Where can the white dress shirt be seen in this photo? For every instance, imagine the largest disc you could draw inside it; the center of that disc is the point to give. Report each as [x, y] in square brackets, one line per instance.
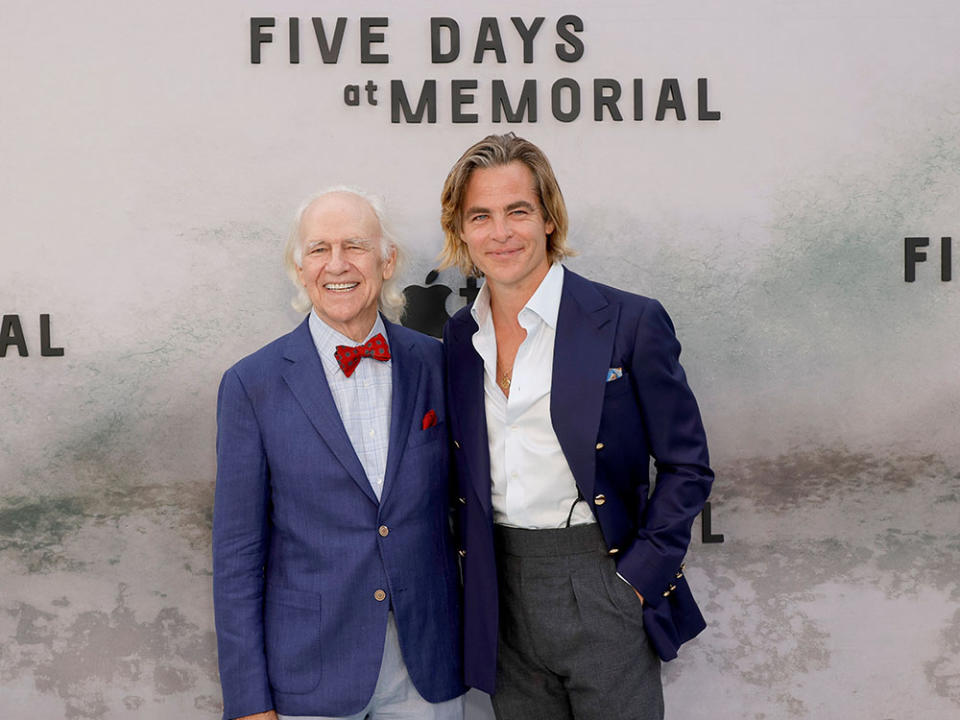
[363, 399]
[532, 486]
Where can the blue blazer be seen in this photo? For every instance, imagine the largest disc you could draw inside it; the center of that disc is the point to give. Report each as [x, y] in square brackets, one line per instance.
[301, 547]
[608, 432]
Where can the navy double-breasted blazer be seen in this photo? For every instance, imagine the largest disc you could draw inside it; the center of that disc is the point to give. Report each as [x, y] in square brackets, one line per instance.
[608, 432]
[307, 562]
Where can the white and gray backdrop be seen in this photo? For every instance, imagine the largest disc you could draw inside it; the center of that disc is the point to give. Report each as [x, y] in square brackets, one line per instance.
[147, 173]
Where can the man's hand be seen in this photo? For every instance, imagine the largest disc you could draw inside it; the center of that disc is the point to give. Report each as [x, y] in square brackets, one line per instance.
[639, 596]
[269, 715]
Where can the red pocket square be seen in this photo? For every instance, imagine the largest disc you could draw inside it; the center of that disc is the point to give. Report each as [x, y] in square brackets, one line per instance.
[429, 420]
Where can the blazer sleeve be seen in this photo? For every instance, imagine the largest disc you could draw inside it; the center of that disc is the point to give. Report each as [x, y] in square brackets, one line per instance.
[678, 444]
[240, 542]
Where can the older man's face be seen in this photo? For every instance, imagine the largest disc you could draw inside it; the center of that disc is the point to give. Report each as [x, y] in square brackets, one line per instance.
[342, 268]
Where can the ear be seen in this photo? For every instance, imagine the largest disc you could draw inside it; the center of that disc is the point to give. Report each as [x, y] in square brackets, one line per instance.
[390, 264]
[549, 227]
[300, 275]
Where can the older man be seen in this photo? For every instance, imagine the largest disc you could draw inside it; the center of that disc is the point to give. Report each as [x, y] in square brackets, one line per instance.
[560, 391]
[335, 581]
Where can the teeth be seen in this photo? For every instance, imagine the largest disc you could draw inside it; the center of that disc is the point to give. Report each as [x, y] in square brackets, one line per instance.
[340, 286]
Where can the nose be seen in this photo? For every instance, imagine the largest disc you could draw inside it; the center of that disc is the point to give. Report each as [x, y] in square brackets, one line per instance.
[501, 228]
[337, 263]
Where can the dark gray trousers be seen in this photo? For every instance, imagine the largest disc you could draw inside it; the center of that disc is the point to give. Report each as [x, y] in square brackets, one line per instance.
[572, 644]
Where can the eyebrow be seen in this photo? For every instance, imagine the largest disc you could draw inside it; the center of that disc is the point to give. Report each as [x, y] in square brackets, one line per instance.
[476, 211]
[357, 240]
[512, 206]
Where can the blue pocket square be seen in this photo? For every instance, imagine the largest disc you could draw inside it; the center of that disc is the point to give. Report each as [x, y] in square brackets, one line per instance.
[614, 374]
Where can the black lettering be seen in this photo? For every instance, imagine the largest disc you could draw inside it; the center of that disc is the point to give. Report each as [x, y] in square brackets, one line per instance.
[638, 98]
[351, 95]
[946, 261]
[294, 24]
[527, 102]
[426, 104]
[527, 34]
[564, 27]
[11, 333]
[329, 52]
[557, 100]
[258, 36]
[703, 112]
[706, 526]
[371, 88]
[368, 38]
[602, 100]
[489, 39]
[670, 99]
[437, 55]
[459, 98]
[46, 349]
[912, 254]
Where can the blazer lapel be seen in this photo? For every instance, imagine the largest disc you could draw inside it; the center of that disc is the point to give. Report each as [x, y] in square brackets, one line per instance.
[407, 376]
[308, 383]
[467, 395]
[586, 326]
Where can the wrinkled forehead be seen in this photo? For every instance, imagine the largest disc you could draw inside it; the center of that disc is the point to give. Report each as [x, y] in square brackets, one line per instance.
[339, 216]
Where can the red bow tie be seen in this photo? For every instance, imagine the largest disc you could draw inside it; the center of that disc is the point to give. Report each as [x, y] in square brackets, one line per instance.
[349, 357]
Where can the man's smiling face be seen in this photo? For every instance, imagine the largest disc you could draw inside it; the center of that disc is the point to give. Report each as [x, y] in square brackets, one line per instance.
[343, 265]
[504, 227]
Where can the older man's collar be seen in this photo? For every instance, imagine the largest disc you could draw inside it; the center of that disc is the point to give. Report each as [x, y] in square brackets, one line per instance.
[326, 338]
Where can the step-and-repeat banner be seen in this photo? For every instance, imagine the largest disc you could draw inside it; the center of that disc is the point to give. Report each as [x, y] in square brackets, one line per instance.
[783, 176]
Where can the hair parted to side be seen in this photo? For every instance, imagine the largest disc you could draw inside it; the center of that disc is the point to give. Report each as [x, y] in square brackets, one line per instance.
[392, 300]
[495, 151]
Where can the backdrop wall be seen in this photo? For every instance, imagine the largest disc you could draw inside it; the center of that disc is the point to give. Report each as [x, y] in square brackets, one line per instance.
[149, 170]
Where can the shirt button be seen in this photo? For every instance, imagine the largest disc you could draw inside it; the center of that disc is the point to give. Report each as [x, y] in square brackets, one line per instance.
[384, 531]
[380, 596]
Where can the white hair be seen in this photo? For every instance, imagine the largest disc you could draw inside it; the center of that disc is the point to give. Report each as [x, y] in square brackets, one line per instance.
[392, 300]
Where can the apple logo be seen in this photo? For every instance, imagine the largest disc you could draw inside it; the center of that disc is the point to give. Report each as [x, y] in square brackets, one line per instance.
[426, 309]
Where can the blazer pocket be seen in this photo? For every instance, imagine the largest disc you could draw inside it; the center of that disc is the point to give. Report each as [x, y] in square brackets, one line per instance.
[418, 436]
[617, 387]
[292, 638]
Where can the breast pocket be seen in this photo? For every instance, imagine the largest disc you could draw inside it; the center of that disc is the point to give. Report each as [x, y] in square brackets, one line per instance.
[292, 636]
[615, 388]
[421, 437]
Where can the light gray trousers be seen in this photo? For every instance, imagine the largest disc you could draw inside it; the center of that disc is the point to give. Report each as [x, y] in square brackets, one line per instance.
[395, 697]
